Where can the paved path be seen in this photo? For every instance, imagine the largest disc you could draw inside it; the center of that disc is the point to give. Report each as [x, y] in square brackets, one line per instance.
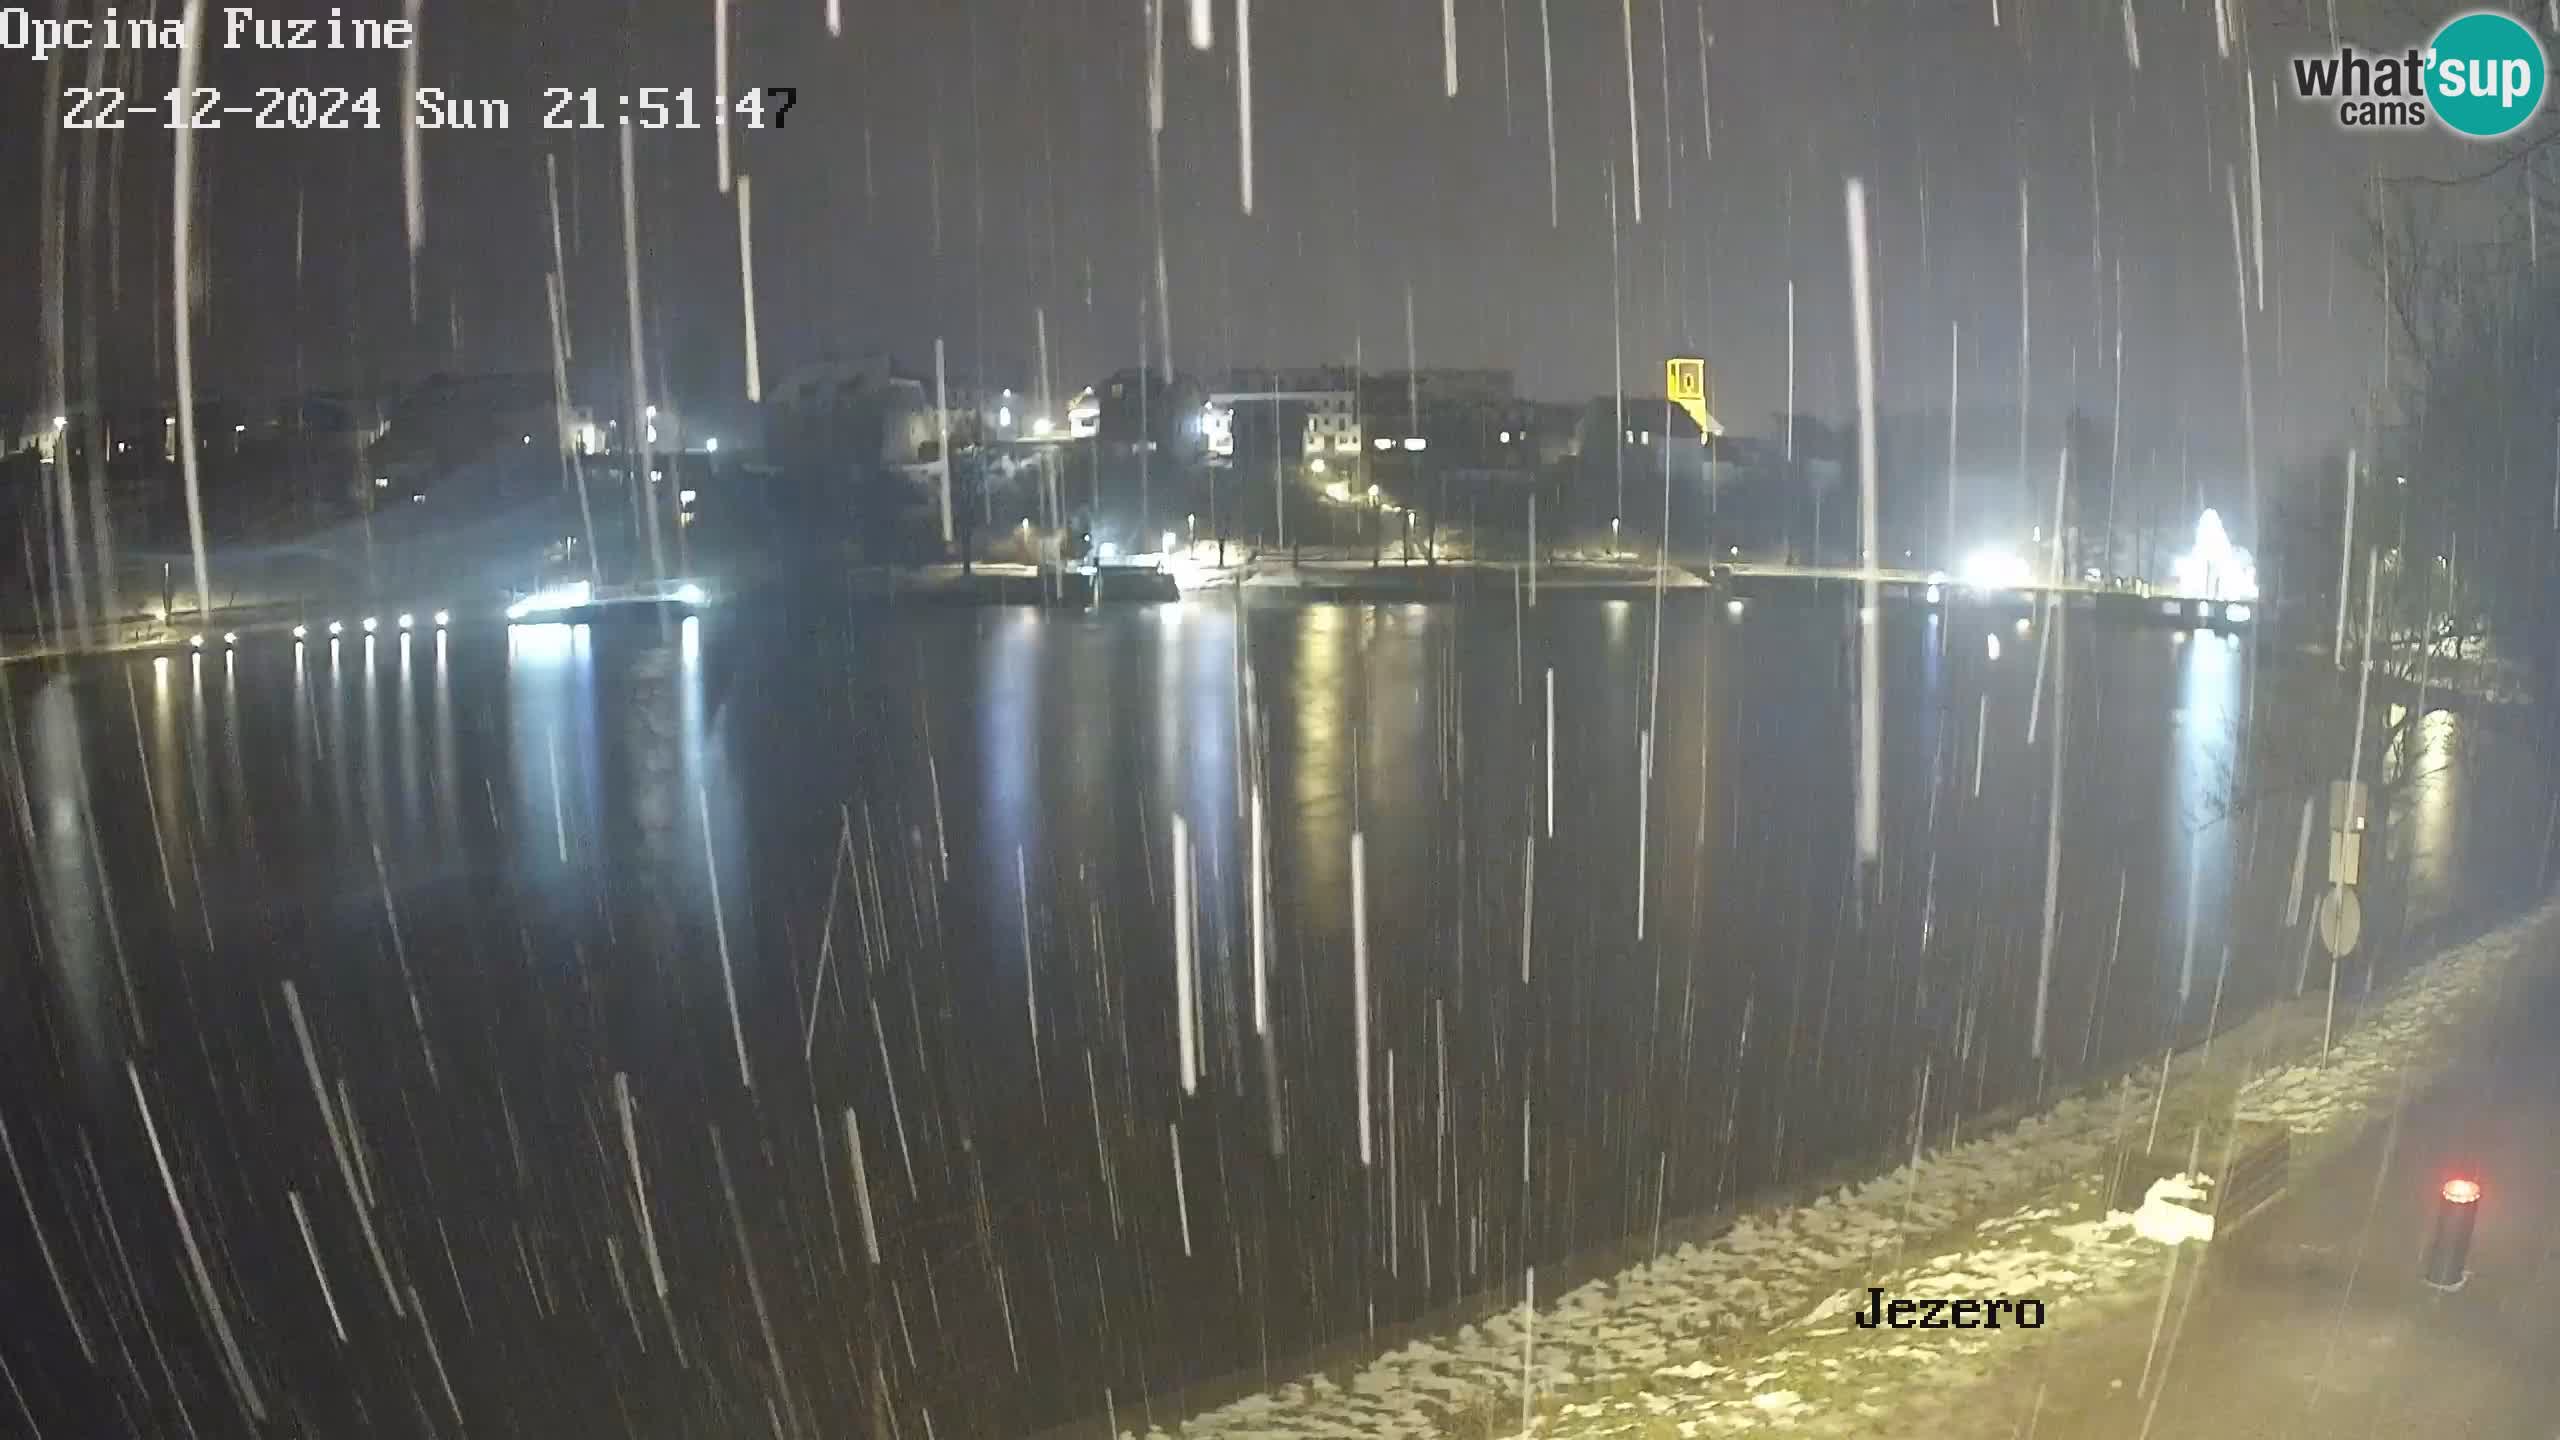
[2314, 1322]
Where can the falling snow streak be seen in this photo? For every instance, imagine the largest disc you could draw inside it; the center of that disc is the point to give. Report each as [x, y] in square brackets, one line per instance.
[1261, 918]
[1152, 20]
[1871, 621]
[1360, 981]
[1449, 48]
[1791, 371]
[2248, 383]
[1181, 1194]
[44, 1247]
[1635, 140]
[182, 309]
[1528, 904]
[1550, 751]
[861, 1187]
[720, 89]
[1030, 976]
[1547, 70]
[2257, 196]
[338, 1145]
[1244, 103]
[556, 294]
[246, 1388]
[2054, 614]
[1706, 113]
[942, 439]
[747, 281]
[639, 1183]
[1955, 356]
[1204, 32]
[311, 1247]
[1528, 1346]
[1185, 975]
[413, 178]
[637, 403]
[720, 928]
[755, 1287]
[2026, 374]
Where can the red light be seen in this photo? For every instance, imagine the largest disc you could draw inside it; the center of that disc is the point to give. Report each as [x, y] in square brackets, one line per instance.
[2462, 1192]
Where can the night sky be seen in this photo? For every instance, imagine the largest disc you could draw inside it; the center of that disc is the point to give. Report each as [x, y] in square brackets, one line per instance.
[963, 169]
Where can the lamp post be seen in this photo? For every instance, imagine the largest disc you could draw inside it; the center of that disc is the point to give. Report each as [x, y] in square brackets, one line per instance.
[2448, 1263]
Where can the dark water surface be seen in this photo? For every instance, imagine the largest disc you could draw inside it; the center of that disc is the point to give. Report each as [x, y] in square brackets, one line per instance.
[574, 917]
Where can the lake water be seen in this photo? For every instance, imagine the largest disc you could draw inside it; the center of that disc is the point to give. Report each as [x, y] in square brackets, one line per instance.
[656, 978]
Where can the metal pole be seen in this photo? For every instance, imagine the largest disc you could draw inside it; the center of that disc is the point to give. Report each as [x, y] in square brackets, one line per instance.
[2449, 1240]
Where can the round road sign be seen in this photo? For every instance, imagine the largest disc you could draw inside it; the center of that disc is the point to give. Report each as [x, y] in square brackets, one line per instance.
[2341, 920]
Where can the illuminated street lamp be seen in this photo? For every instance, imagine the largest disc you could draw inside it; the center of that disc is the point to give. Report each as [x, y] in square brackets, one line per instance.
[2449, 1242]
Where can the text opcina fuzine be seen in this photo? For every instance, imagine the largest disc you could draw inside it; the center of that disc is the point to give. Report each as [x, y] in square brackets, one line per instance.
[234, 27]
[1904, 1312]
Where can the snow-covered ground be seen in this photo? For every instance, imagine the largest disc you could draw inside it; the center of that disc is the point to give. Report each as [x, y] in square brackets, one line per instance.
[1755, 1332]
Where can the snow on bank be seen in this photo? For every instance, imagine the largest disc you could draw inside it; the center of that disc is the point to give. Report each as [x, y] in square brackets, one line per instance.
[2175, 1211]
[1657, 1349]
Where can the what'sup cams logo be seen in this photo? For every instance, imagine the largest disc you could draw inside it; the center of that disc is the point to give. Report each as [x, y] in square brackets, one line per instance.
[2481, 76]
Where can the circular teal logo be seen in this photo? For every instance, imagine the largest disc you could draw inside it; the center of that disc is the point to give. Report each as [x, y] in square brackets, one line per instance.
[2484, 74]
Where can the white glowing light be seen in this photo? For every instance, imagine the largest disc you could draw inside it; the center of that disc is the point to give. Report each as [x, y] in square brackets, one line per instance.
[688, 593]
[686, 497]
[1317, 465]
[1417, 443]
[443, 618]
[1991, 646]
[1004, 417]
[300, 631]
[1168, 542]
[230, 637]
[557, 597]
[712, 445]
[1993, 568]
[337, 627]
[2216, 569]
[1339, 490]
[371, 624]
[408, 621]
[196, 641]
[2238, 614]
[1043, 425]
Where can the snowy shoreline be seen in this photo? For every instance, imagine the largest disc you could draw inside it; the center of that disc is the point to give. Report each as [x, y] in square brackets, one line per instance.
[1752, 1330]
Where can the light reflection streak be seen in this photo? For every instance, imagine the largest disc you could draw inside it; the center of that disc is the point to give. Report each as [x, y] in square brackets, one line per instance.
[447, 784]
[2205, 731]
[411, 807]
